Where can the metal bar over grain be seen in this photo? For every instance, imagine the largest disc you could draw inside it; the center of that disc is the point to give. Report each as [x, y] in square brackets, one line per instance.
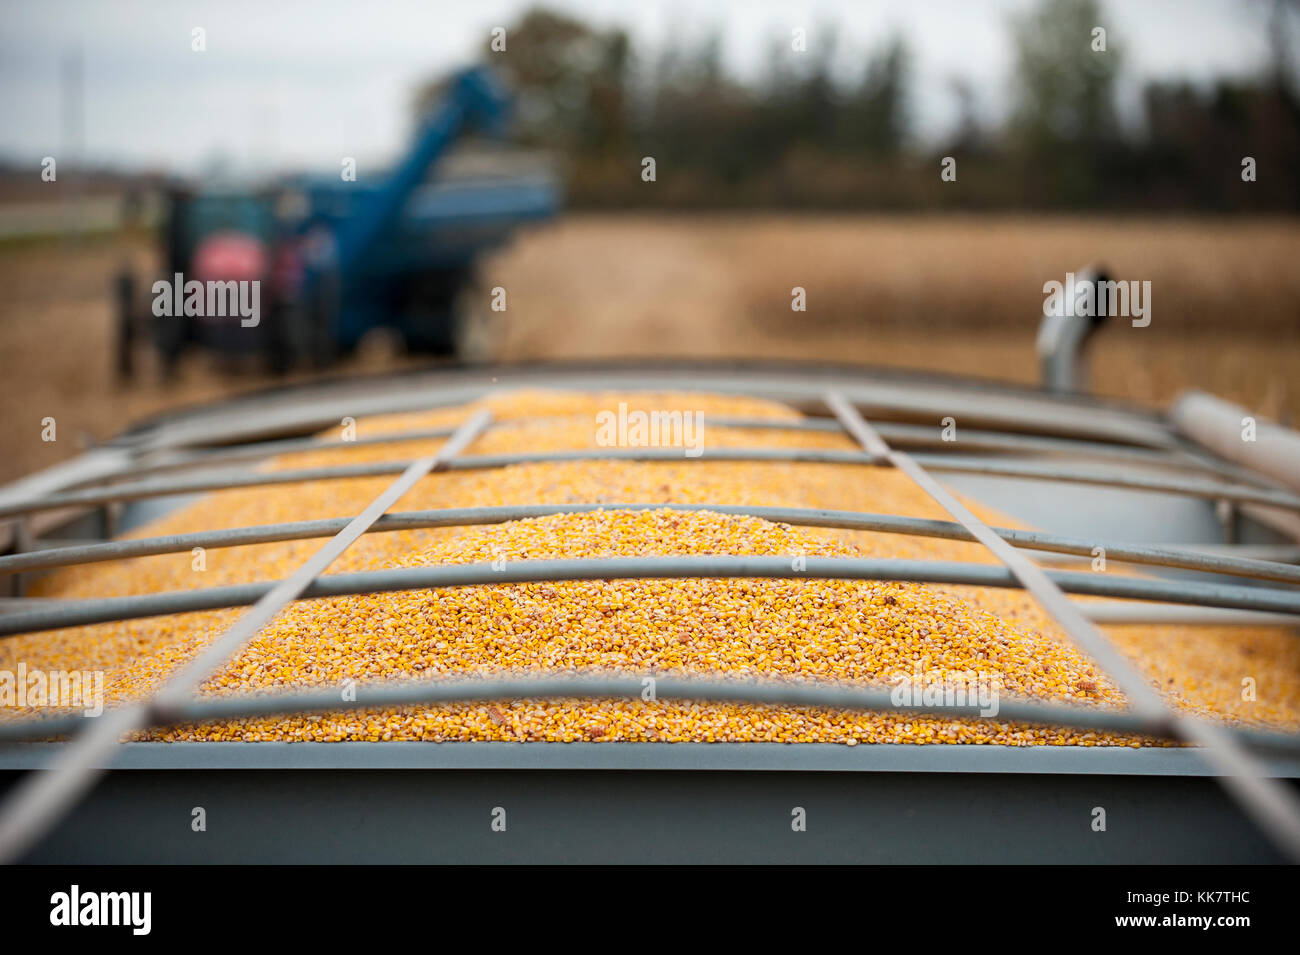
[1273, 806]
[39, 801]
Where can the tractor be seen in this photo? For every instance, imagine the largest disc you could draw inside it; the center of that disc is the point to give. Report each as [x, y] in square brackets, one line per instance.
[337, 256]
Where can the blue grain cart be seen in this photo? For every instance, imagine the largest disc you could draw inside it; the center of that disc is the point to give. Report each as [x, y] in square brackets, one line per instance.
[335, 258]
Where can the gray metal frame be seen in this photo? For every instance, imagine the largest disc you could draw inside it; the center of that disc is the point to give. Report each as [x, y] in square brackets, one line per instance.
[1182, 557]
[1175, 761]
[160, 713]
[414, 803]
[1031, 470]
[901, 435]
[57, 614]
[1272, 805]
[38, 801]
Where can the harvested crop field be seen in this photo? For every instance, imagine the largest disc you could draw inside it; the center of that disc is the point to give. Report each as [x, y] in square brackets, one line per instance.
[958, 294]
[860, 632]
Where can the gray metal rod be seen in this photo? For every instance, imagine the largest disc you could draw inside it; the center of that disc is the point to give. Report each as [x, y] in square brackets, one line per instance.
[1041, 471]
[1281, 557]
[186, 460]
[39, 801]
[1164, 556]
[1034, 579]
[903, 435]
[1217, 425]
[227, 480]
[1274, 553]
[1125, 612]
[394, 693]
[75, 613]
[216, 481]
[1272, 806]
[915, 437]
[203, 457]
[889, 394]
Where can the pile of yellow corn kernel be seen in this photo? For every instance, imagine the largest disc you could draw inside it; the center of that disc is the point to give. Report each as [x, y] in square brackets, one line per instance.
[861, 632]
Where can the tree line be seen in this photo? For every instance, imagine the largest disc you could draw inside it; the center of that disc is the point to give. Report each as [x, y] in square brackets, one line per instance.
[808, 136]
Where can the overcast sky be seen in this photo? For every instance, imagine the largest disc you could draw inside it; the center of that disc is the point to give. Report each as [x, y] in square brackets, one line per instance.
[285, 83]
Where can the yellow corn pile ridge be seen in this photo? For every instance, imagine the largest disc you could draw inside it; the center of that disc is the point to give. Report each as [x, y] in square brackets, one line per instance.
[865, 632]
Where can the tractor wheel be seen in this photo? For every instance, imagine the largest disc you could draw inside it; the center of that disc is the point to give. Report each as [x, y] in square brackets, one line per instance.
[170, 333]
[279, 340]
[126, 322]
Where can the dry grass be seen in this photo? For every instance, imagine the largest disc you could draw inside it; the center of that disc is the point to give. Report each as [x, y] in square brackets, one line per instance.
[959, 294]
[955, 294]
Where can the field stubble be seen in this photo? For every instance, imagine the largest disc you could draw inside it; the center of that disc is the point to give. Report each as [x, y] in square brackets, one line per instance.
[951, 294]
